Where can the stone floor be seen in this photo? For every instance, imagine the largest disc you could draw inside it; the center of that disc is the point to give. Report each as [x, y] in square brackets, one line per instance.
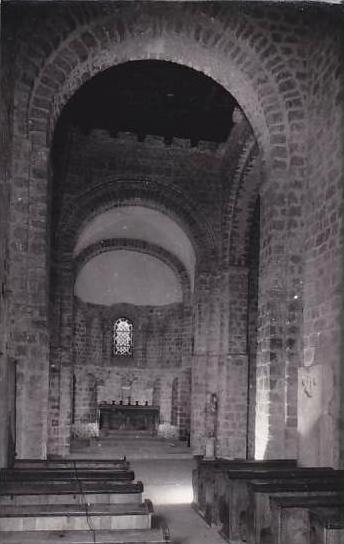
[133, 446]
[165, 467]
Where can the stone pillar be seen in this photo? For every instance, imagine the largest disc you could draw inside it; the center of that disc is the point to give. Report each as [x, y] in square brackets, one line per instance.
[97, 342]
[199, 363]
[184, 403]
[80, 335]
[107, 341]
[9, 187]
[270, 384]
[165, 400]
[186, 330]
[233, 365]
[61, 367]
[213, 353]
[85, 398]
[279, 315]
[232, 407]
[28, 285]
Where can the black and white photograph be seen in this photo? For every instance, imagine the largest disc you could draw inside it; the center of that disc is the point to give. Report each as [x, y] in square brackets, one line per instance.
[171, 272]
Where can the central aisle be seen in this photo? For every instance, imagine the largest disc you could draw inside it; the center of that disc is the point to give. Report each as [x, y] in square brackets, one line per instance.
[168, 483]
[165, 468]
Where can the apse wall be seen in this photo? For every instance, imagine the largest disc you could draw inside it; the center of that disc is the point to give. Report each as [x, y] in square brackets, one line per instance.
[160, 360]
[161, 335]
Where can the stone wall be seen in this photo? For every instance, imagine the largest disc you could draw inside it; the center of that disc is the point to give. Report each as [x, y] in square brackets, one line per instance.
[252, 323]
[220, 363]
[286, 74]
[158, 334]
[157, 372]
[321, 383]
[187, 177]
[7, 355]
[99, 384]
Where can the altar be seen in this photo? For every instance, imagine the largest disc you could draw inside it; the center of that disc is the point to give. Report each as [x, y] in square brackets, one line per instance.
[129, 417]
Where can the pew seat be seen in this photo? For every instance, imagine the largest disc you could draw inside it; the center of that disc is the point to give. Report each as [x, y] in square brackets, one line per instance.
[136, 536]
[45, 502]
[46, 474]
[76, 517]
[120, 463]
[16, 493]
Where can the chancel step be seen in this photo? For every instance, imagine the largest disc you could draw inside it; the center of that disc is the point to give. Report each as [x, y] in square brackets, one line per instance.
[76, 517]
[70, 493]
[22, 475]
[146, 536]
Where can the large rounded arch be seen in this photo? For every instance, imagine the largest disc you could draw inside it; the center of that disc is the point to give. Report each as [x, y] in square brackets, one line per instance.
[241, 202]
[240, 190]
[241, 65]
[234, 47]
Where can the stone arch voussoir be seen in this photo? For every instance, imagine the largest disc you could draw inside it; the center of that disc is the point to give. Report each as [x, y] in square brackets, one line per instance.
[230, 46]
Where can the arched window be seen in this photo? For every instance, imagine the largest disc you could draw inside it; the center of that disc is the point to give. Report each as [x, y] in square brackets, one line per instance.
[123, 337]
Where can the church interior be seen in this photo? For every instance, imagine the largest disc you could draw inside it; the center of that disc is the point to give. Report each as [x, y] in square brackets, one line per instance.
[172, 272]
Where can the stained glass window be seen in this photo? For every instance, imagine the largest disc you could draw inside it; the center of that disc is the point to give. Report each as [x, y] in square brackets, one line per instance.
[123, 337]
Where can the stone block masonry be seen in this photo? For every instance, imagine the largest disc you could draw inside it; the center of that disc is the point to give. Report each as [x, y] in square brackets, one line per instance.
[284, 67]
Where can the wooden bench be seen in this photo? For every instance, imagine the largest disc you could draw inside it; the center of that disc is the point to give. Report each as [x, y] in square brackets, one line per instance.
[21, 493]
[45, 474]
[290, 516]
[112, 464]
[76, 504]
[257, 520]
[134, 536]
[203, 477]
[327, 525]
[76, 517]
[232, 494]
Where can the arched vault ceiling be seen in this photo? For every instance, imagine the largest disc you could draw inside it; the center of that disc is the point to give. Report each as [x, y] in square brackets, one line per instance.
[127, 276]
[140, 223]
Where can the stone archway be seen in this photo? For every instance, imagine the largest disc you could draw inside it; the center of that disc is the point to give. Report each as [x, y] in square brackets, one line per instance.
[231, 49]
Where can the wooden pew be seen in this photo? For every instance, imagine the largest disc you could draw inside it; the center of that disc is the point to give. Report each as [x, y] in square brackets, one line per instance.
[327, 525]
[111, 464]
[43, 503]
[45, 474]
[232, 494]
[75, 517]
[258, 516]
[290, 516]
[203, 478]
[134, 536]
[21, 493]
[157, 534]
